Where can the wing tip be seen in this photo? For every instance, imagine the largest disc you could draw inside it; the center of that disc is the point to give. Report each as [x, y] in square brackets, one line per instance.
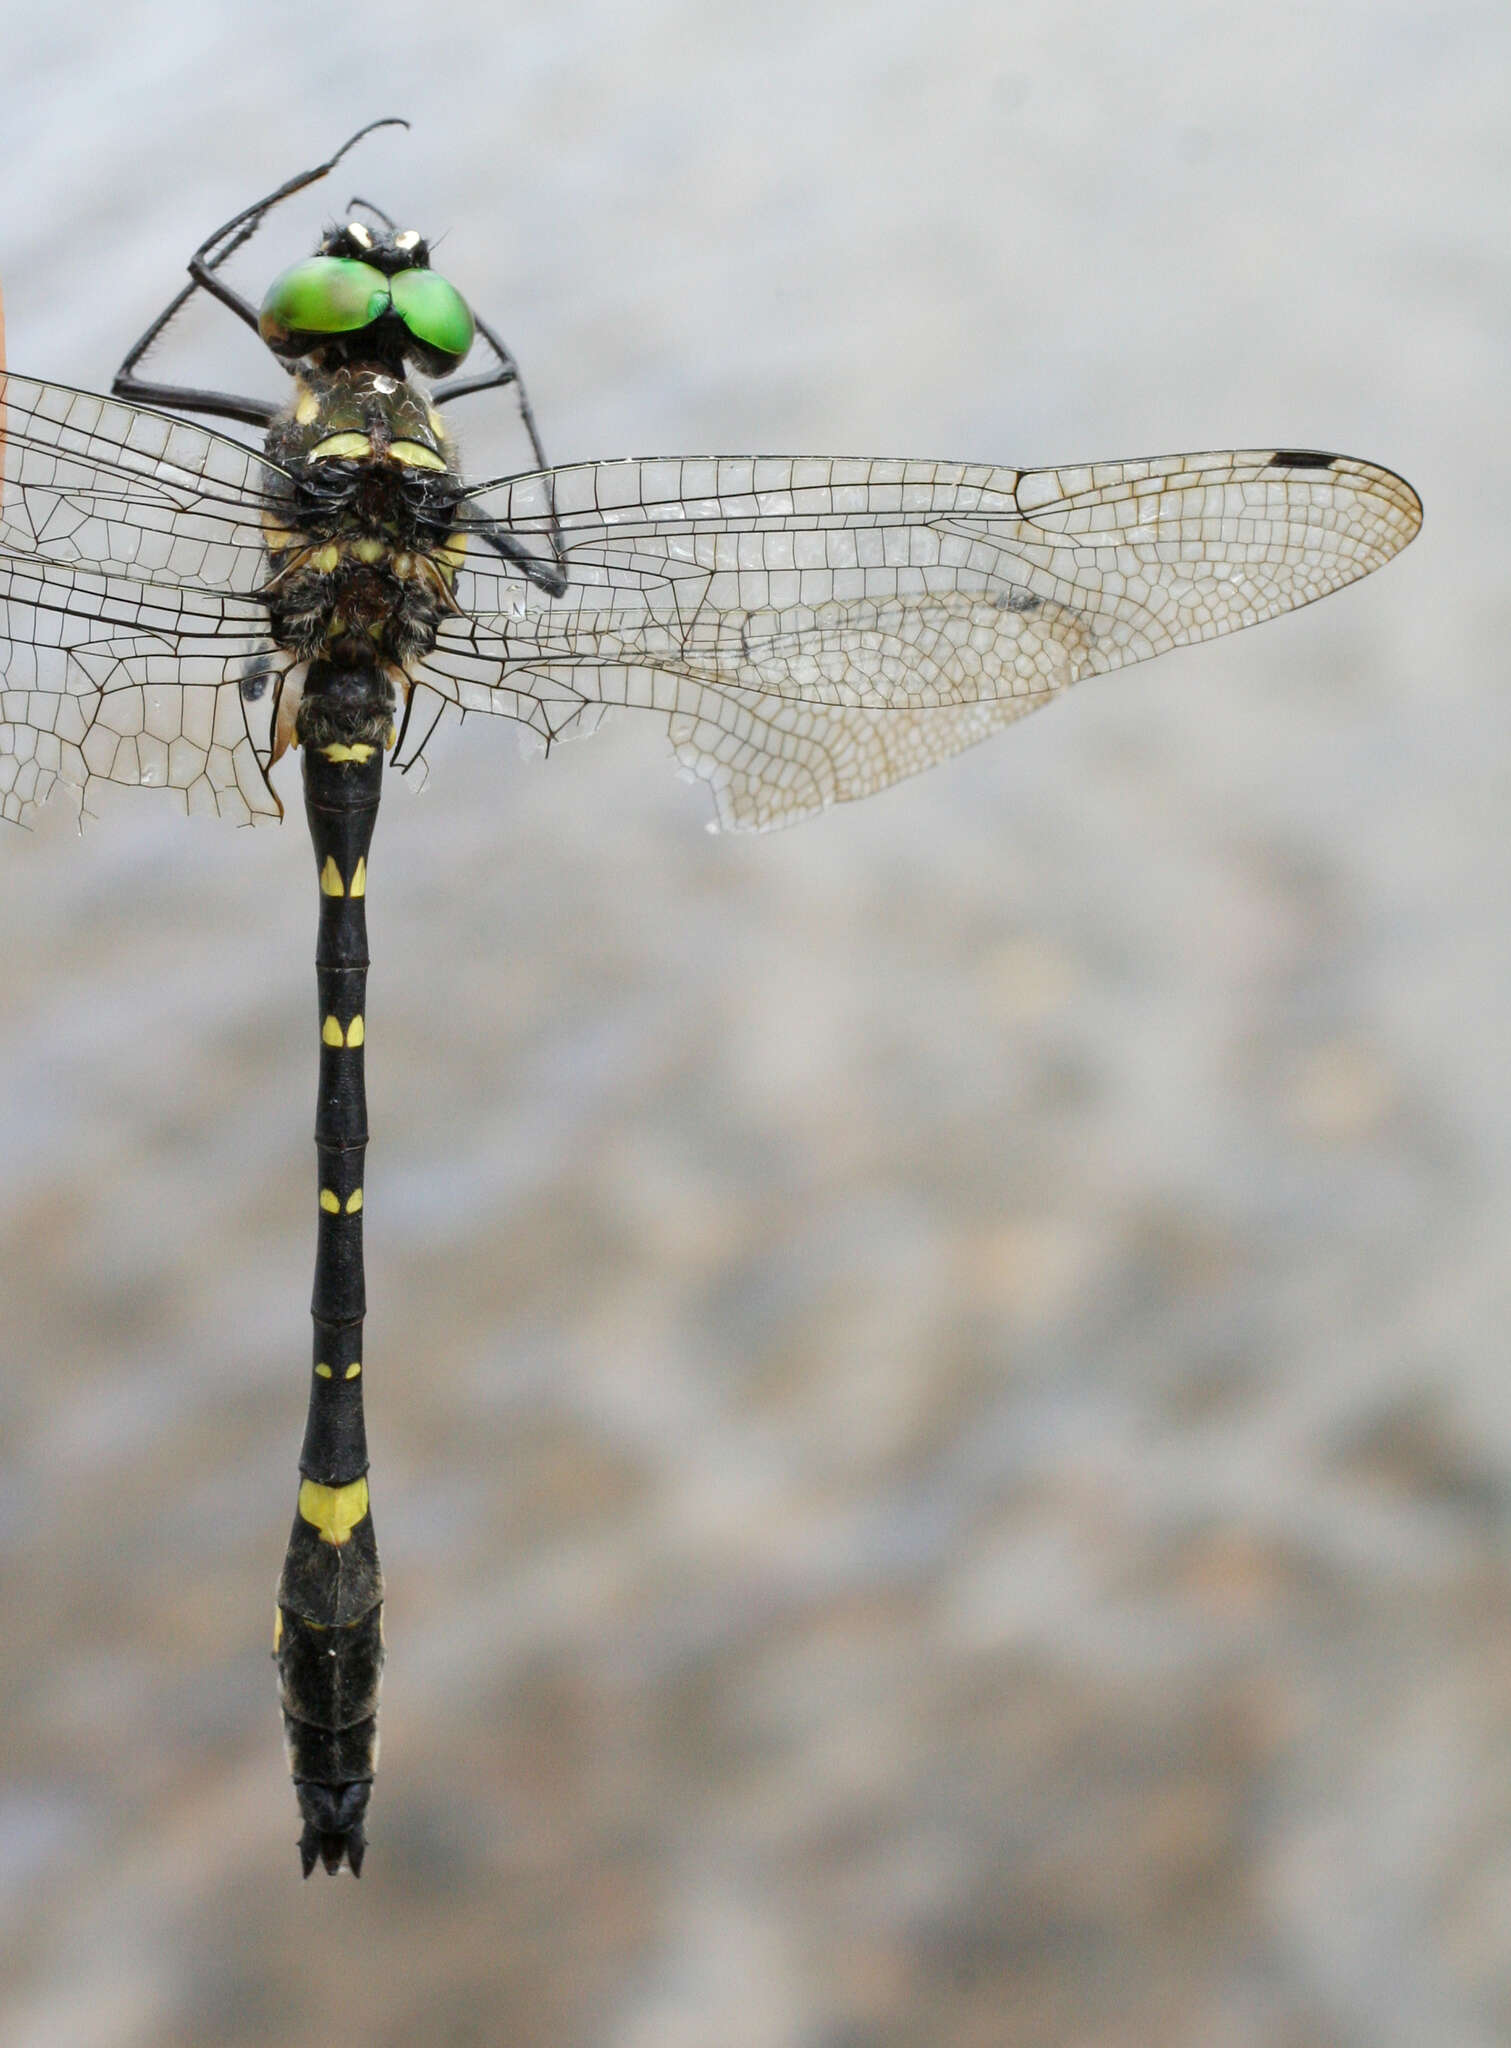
[1407, 496]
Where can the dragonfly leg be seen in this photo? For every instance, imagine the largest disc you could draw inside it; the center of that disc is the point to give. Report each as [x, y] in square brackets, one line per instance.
[204, 266]
[253, 412]
[507, 371]
[384, 219]
[549, 576]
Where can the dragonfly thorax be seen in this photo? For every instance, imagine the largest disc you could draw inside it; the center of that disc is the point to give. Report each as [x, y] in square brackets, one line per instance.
[362, 552]
[334, 409]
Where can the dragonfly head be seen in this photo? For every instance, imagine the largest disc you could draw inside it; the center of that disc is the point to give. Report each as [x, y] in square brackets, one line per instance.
[368, 296]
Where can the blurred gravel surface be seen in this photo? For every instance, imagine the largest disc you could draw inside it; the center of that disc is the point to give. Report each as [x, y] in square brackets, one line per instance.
[942, 1449]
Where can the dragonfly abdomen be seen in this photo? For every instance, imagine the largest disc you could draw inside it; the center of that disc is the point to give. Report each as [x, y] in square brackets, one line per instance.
[329, 1639]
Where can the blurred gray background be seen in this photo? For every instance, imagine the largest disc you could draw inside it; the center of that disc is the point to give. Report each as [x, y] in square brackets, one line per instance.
[937, 1381]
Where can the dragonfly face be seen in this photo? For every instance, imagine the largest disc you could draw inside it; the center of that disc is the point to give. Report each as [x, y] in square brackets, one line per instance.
[368, 298]
[179, 609]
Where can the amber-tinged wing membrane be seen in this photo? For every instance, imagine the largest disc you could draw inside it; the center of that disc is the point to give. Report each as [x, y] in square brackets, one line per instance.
[817, 629]
[129, 546]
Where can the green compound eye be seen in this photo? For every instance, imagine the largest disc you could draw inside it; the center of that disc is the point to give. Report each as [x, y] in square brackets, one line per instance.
[436, 315]
[322, 295]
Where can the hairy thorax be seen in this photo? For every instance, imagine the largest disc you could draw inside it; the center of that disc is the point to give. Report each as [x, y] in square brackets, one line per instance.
[361, 531]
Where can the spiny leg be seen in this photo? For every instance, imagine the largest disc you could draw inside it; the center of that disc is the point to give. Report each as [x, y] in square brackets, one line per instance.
[328, 1639]
[206, 261]
[507, 371]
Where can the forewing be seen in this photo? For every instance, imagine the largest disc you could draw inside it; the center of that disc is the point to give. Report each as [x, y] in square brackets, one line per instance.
[129, 546]
[816, 629]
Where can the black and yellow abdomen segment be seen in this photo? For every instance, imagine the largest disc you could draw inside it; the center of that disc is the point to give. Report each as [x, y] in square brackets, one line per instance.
[329, 1668]
[329, 1637]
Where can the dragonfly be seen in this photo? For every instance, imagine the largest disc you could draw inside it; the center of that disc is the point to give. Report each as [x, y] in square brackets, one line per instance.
[180, 609]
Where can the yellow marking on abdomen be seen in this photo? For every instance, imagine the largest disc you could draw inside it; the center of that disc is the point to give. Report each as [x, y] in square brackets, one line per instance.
[354, 1201]
[330, 1201]
[334, 1510]
[353, 1372]
[322, 1372]
[337, 752]
[331, 883]
[277, 1628]
[356, 1031]
[359, 876]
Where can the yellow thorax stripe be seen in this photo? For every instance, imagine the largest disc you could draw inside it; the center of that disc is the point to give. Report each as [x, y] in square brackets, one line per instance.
[415, 455]
[341, 447]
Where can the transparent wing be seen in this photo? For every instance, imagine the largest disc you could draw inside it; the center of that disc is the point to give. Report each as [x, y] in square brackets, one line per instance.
[130, 544]
[817, 629]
